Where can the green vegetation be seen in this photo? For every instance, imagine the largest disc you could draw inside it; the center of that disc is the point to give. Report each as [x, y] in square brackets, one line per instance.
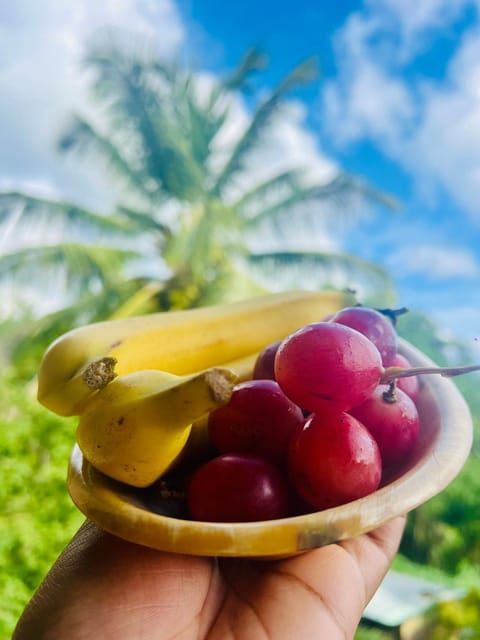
[38, 517]
[445, 532]
[457, 619]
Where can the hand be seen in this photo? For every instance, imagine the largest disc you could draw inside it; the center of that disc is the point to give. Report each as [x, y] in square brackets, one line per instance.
[103, 587]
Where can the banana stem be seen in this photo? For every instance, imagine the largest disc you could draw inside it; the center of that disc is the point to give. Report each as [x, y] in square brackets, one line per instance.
[99, 373]
[394, 373]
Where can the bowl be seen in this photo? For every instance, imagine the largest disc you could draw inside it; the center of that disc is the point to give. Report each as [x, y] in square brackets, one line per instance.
[442, 448]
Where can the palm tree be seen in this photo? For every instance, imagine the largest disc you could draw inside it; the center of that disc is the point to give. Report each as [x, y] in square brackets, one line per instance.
[181, 209]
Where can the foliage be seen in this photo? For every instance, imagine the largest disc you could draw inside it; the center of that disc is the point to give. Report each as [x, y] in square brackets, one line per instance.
[365, 632]
[38, 517]
[457, 619]
[445, 531]
[450, 618]
[423, 333]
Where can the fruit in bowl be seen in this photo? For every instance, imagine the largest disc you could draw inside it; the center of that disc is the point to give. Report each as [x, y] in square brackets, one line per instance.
[227, 485]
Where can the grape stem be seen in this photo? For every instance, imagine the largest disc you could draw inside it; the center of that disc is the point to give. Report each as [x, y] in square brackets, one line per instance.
[393, 314]
[394, 373]
[390, 395]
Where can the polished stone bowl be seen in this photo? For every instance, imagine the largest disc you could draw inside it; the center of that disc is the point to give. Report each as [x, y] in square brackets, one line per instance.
[443, 446]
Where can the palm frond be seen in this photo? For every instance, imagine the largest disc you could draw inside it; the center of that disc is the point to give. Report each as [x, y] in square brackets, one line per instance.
[345, 183]
[252, 61]
[71, 216]
[262, 116]
[341, 189]
[82, 135]
[259, 195]
[142, 301]
[193, 247]
[147, 110]
[143, 221]
[317, 270]
[27, 340]
[203, 123]
[83, 263]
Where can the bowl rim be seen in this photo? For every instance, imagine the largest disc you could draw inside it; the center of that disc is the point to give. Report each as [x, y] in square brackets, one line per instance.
[114, 507]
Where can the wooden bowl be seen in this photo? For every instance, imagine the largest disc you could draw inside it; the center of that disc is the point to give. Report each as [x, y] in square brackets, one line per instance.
[442, 449]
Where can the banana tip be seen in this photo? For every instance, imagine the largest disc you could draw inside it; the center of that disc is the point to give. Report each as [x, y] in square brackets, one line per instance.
[221, 382]
[99, 373]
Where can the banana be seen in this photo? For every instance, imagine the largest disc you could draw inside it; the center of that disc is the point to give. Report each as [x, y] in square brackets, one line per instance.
[134, 429]
[86, 359]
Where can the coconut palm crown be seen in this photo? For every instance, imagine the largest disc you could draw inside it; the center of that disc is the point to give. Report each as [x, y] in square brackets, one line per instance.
[188, 229]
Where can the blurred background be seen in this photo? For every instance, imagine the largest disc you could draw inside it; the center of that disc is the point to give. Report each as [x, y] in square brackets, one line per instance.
[161, 154]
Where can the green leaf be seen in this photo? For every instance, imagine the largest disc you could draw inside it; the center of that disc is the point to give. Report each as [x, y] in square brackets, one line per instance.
[340, 190]
[318, 270]
[32, 207]
[83, 136]
[260, 194]
[253, 61]
[260, 119]
[84, 264]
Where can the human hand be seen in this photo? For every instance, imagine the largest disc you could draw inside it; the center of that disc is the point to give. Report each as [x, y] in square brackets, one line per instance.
[104, 587]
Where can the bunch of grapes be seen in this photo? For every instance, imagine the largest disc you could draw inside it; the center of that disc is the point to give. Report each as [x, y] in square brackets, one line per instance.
[321, 424]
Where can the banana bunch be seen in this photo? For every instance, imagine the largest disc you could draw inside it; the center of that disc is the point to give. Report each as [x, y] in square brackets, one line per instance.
[138, 384]
[135, 428]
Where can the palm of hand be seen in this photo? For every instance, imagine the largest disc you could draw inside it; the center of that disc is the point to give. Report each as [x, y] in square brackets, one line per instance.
[103, 587]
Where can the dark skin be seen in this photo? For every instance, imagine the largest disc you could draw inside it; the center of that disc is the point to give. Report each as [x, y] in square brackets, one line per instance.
[104, 587]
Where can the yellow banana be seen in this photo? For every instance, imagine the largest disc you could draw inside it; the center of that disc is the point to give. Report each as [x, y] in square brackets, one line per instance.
[84, 360]
[134, 429]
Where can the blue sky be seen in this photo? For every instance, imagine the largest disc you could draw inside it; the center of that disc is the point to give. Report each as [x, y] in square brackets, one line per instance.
[398, 103]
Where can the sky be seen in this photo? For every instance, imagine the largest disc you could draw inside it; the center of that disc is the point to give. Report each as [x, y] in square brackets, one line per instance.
[397, 104]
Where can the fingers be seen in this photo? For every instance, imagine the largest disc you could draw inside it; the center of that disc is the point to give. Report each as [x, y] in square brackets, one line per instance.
[345, 576]
[374, 553]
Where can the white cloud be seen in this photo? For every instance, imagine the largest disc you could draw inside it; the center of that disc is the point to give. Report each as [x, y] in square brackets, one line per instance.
[416, 21]
[370, 103]
[445, 145]
[41, 45]
[428, 126]
[435, 262]
[367, 98]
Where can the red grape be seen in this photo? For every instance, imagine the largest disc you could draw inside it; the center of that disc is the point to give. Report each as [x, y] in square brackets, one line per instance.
[409, 385]
[393, 424]
[375, 326]
[264, 364]
[333, 460]
[237, 488]
[327, 366]
[258, 419]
